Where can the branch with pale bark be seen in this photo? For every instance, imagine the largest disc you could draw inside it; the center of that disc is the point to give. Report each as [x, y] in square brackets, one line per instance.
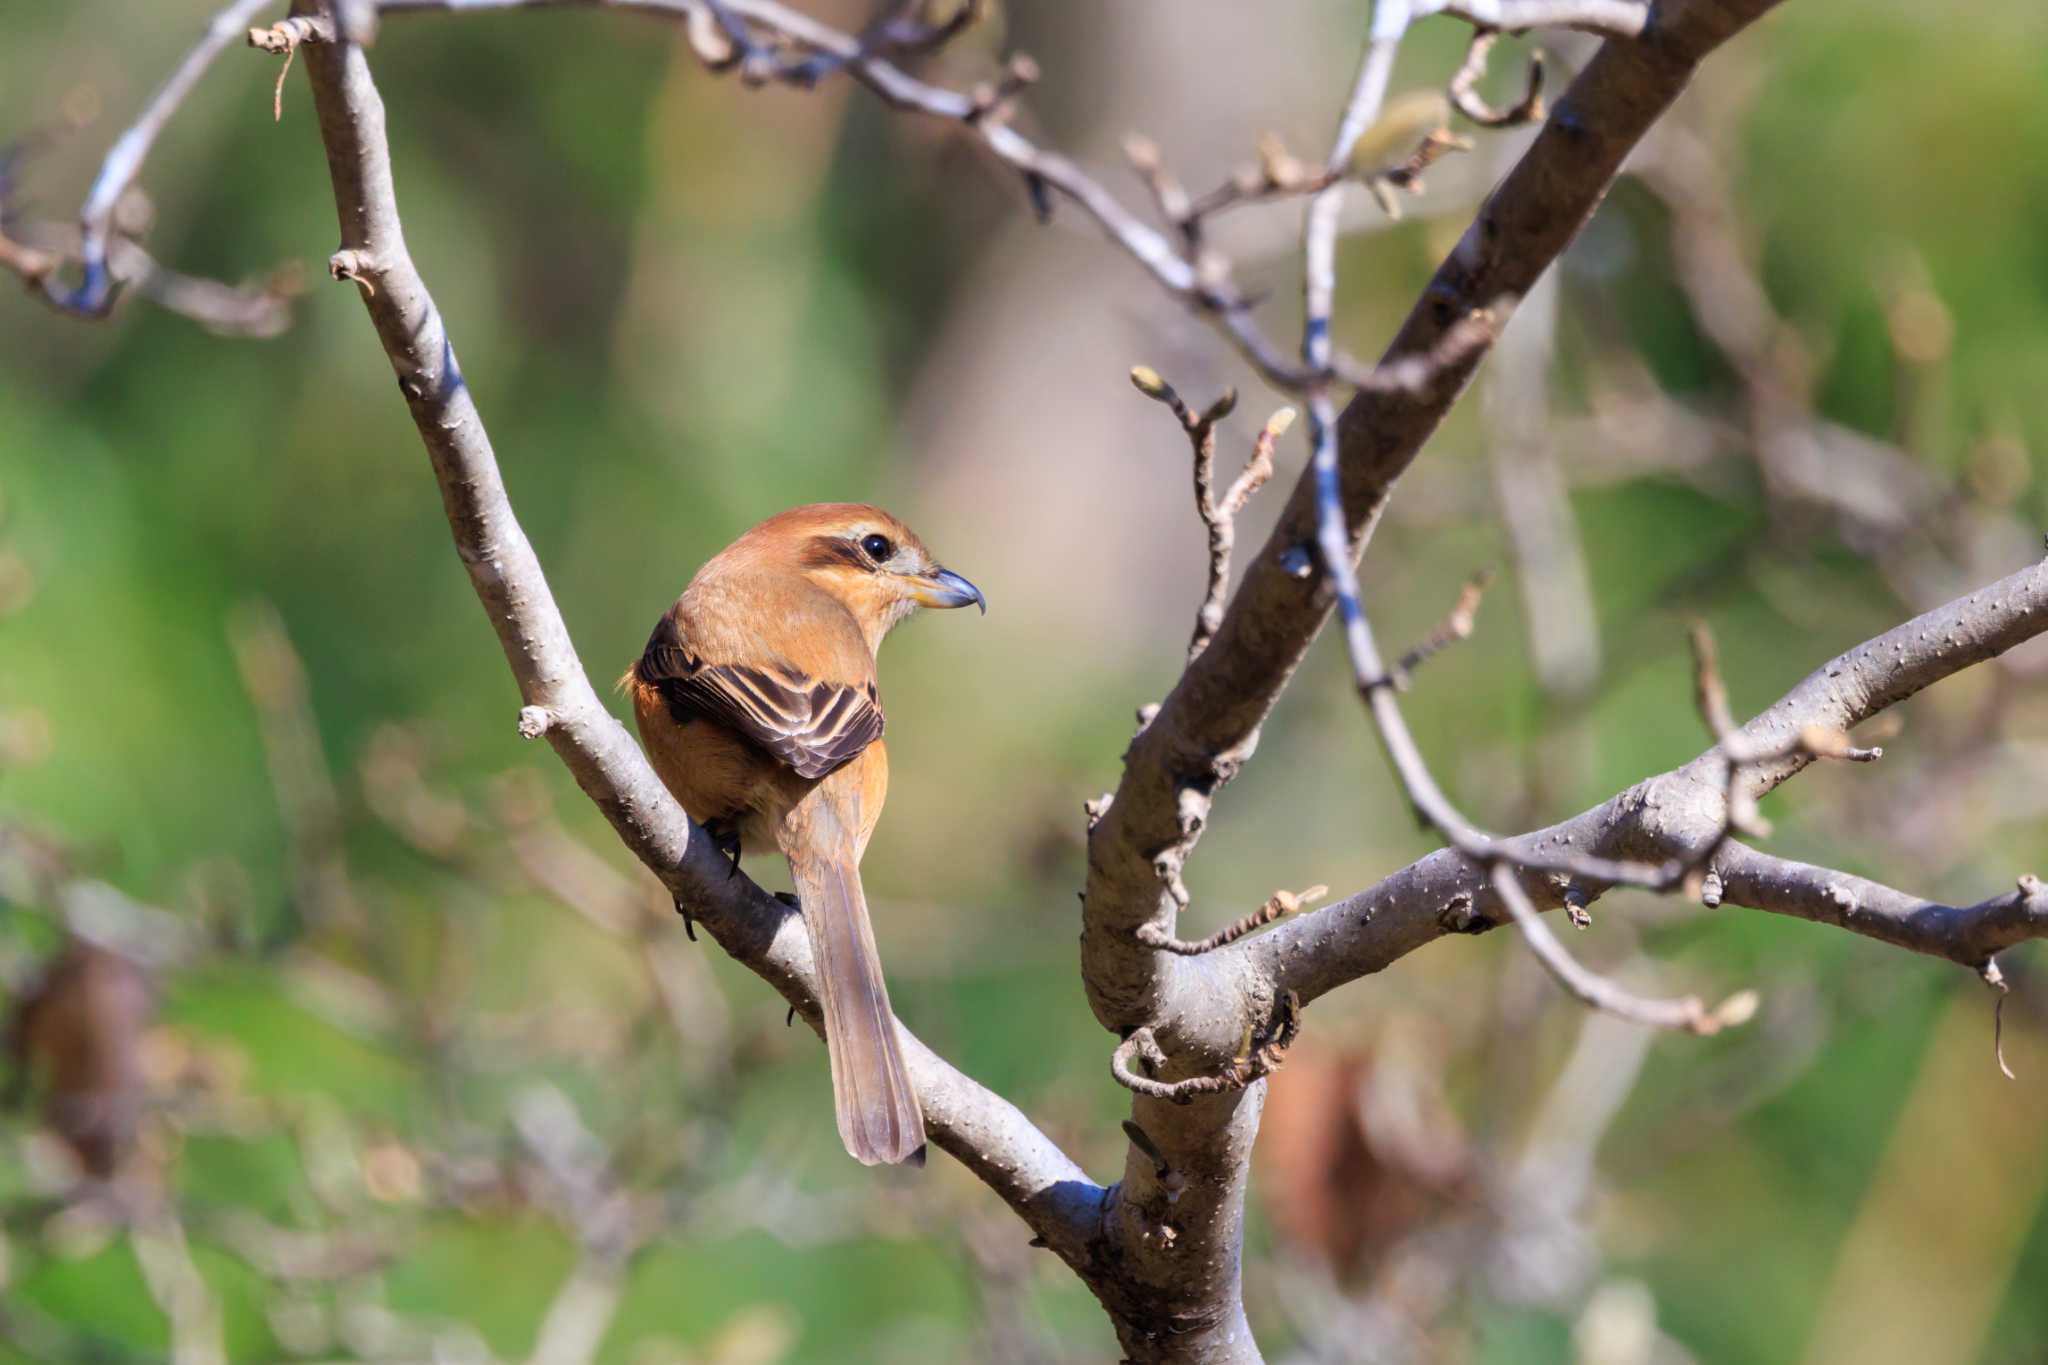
[989, 1135]
[1202, 1021]
[107, 258]
[1682, 814]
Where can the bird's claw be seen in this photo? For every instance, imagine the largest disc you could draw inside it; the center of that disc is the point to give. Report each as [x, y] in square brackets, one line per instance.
[726, 839]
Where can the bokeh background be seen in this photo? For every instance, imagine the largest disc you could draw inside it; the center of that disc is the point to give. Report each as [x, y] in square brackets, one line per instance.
[392, 1054]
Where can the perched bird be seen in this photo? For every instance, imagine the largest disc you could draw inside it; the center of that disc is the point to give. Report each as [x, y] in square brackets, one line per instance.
[757, 702]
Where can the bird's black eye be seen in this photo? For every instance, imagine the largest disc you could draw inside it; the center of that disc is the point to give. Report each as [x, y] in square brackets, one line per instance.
[877, 548]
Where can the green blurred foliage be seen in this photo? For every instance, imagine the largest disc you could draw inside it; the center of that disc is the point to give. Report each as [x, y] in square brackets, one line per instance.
[683, 306]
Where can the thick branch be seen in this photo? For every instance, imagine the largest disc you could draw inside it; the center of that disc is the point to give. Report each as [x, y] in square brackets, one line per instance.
[1967, 934]
[1209, 724]
[1197, 1012]
[1892, 667]
[1682, 814]
[985, 1132]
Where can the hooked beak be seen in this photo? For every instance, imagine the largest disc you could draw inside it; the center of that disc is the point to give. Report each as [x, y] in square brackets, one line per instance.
[944, 588]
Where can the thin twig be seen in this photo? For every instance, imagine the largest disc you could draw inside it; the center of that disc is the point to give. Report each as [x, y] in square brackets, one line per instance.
[95, 292]
[1688, 1014]
[1378, 688]
[1465, 95]
[1219, 515]
[997, 1144]
[1455, 626]
[581, 1312]
[39, 252]
[1319, 232]
[1279, 904]
[1258, 1058]
[283, 38]
[1995, 979]
[1204, 283]
[1533, 502]
[1812, 741]
[1608, 18]
[1333, 542]
[1278, 175]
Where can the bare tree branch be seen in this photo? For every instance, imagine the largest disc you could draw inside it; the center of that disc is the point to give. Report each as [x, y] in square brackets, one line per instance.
[1687, 1014]
[1738, 753]
[1609, 18]
[1457, 625]
[1201, 1021]
[988, 1134]
[1464, 86]
[1278, 904]
[1063, 1206]
[39, 252]
[1203, 284]
[95, 292]
[1260, 1056]
[255, 311]
[1219, 515]
[1681, 815]
[1969, 935]
[1208, 725]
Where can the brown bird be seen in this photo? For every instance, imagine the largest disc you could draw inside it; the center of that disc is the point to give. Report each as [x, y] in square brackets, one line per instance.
[757, 702]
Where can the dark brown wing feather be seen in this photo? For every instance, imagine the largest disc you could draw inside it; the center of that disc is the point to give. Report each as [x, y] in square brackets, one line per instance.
[814, 727]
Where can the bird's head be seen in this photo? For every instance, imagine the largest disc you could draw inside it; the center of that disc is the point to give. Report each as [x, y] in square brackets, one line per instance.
[869, 561]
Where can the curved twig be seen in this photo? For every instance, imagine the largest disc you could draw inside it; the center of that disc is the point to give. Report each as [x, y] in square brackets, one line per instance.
[985, 1132]
[1258, 1058]
[1279, 904]
[94, 294]
[1465, 95]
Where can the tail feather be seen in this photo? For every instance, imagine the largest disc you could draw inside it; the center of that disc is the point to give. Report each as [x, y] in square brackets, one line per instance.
[879, 1118]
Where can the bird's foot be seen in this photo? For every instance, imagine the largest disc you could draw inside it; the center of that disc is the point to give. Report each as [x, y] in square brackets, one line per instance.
[726, 839]
[789, 899]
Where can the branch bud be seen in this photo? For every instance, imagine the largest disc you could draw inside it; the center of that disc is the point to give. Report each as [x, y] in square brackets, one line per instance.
[1737, 1010]
[1147, 381]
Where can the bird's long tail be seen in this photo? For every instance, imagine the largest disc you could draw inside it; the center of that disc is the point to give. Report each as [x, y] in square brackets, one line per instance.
[879, 1118]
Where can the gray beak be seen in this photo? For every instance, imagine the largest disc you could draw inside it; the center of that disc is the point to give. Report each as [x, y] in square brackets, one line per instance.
[944, 588]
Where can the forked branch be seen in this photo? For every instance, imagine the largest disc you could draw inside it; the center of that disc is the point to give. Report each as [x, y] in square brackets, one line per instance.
[1203, 1020]
[985, 1132]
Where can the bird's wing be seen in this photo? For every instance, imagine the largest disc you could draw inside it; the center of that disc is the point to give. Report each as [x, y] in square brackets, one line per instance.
[813, 726]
